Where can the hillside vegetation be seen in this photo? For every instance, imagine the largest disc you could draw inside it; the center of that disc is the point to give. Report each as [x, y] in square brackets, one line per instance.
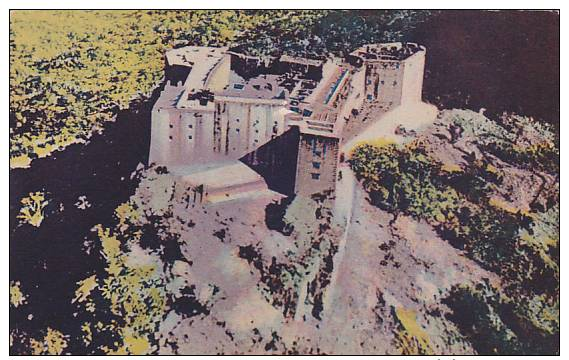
[492, 190]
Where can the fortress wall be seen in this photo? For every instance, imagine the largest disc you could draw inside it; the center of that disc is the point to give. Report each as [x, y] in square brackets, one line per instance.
[258, 127]
[358, 89]
[236, 118]
[384, 83]
[204, 136]
[316, 165]
[159, 146]
[175, 138]
[254, 130]
[219, 128]
[186, 129]
[181, 137]
[245, 126]
[413, 78]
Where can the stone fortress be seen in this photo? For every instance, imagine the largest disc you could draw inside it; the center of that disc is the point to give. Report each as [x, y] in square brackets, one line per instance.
[230, 124]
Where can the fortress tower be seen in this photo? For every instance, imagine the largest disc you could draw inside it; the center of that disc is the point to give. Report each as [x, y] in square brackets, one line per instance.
[393, 72]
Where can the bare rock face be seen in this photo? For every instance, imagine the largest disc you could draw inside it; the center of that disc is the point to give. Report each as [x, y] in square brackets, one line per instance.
[461, 138]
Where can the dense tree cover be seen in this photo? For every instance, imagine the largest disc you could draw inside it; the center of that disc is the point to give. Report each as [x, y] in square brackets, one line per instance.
[493, 325]
[71, 70]
[521, 247]
[118, 305]
[315, 34]
[520, 140]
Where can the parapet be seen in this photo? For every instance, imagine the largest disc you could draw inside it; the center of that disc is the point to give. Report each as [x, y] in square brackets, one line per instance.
[396, 51]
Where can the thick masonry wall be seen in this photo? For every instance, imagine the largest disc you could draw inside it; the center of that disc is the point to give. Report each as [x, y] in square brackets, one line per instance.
[384, 83]
[231, 130]
[316, 165]
[242, 127]
[413, 78]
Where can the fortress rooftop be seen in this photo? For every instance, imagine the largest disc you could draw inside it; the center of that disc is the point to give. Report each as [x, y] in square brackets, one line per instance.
[261, 87]
[170, 96]
[300, 61]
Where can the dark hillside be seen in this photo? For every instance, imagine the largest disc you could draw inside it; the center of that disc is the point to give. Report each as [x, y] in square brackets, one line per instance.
[501, 61]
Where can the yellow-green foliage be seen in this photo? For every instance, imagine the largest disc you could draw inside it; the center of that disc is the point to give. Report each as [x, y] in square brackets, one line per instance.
[134, 292]
[544, 235]
[522, 247]
[83, 292]
[17, 297]
[32, 208]
[501, 204]
[53, 343]
[516, 139]
[400, 178]
[543, 239]
[451, 168]
[411, 339]
[72, 70]
[127, 214]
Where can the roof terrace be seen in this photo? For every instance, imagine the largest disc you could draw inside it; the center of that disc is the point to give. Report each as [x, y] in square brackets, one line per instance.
[265, 87]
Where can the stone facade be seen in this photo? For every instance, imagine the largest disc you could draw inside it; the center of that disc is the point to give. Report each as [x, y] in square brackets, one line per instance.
[317, 164]
[283, 117]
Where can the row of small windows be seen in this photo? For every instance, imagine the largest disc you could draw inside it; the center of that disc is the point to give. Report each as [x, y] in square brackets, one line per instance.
[385, 65]
[190, 137]
[369, 82]
[190, 126]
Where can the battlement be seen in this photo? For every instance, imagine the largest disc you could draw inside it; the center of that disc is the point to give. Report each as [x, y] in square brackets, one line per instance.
[396, 51]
